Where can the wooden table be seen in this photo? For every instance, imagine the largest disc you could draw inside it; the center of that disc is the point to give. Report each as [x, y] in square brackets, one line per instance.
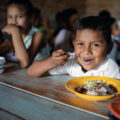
[45, 98]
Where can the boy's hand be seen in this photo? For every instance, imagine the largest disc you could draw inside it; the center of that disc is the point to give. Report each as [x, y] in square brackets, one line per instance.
[59, 57]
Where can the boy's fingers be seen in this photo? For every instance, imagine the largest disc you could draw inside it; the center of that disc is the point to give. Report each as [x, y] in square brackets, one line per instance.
[61, 62]
[63, 57]
[58, 52]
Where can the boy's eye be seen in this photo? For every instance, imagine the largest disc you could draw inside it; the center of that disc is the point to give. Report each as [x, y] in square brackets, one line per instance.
[80, 44]
[95, 45]
[19, 16]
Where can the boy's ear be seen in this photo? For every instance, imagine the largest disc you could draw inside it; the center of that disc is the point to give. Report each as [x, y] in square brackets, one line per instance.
[110, 47]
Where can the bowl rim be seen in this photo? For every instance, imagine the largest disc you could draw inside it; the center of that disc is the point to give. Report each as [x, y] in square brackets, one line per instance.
[95, 98]
[116, 114]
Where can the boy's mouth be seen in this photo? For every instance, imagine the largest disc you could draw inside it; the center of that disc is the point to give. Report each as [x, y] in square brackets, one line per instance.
[87, 60]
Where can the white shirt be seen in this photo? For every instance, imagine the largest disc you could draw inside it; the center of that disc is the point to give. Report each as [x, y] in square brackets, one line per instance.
[108, 68]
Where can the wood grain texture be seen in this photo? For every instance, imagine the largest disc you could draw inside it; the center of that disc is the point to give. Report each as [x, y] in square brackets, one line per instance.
[51, 87]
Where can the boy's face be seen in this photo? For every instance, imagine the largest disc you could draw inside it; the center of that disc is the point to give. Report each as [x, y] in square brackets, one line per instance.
[90, 48]
[16, 15]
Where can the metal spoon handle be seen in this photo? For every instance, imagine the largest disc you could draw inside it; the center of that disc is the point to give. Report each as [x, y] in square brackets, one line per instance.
[109, 90]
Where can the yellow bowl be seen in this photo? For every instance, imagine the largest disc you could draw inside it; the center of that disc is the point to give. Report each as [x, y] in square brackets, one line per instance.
[76, 82]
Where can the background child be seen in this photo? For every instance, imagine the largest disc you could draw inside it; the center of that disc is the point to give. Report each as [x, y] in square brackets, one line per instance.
[16, 43]
[92, 43]
[114, 34]
[42, 23]
[19, 13]
[64, 38]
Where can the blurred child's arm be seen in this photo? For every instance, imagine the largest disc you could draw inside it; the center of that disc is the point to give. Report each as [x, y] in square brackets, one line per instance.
[40, 67]
[18, 44]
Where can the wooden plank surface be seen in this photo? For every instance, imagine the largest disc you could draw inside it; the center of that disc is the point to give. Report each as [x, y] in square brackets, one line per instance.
[31, 107]
[5, 115]
[51, 88]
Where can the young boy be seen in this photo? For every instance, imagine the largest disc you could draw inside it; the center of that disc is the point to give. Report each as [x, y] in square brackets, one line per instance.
[92, 43]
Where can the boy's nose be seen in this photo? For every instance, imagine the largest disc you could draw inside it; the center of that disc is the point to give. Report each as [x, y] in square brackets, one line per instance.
[87, 50]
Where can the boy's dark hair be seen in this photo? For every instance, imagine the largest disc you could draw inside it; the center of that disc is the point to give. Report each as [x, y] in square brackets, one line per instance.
[25, 3]
[94, 23]
[107, 17]
[110, 21]
[104, 13]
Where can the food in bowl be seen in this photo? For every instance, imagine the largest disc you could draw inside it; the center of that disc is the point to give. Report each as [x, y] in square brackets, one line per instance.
[94, 87]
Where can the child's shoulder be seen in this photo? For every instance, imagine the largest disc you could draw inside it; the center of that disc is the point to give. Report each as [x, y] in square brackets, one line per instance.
[113, 69]
[107, 65]
[34, 30]
[112, 63]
